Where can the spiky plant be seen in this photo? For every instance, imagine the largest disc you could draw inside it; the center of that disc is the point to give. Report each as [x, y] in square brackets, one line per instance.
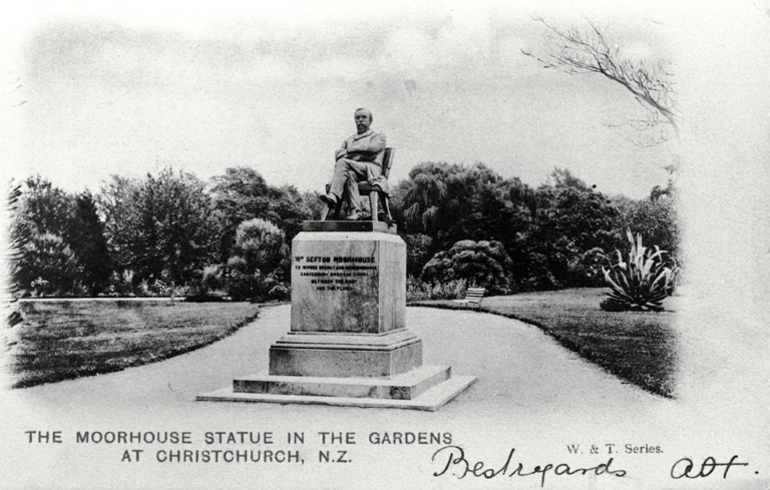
[641, 282]
[13, 238]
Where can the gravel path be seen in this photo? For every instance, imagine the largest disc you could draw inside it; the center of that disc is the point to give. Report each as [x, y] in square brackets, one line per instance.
[529, 389]
[517, 365]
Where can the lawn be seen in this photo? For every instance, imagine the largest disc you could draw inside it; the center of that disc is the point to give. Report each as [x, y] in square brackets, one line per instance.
[638, 347]
[61, 340]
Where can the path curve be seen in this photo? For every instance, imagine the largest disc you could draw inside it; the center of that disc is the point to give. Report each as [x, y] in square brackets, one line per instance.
[531, 394]
[517, 366]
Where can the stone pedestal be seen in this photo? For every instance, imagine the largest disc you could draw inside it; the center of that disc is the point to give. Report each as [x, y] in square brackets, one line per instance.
[348, 343]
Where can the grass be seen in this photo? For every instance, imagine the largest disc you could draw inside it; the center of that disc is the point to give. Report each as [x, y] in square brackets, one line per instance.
[61, 340]
[639, 347]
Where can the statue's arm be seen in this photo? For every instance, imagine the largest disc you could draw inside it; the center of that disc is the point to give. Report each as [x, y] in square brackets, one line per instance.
[342, 151]
[372, 145]
[378, 143]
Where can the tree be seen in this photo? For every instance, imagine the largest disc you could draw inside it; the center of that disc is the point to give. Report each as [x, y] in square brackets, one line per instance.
[440, 204]
[523, 196]
[178, 212]
[654, 219]
[561, 246]
[417, 252]
[586, 49]
[85, 236]
[48, 267]
[450, 203]
[242, 194]
[161, 229]
[118, 202]
[239, 195]
[259, 262]
[47, 264]
[423, 197]
[44, 208]
[288, 208]
[578, 213]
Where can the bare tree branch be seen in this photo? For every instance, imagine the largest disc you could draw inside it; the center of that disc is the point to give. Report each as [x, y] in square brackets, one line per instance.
[577, 50]
[763, 6]
[646, 131]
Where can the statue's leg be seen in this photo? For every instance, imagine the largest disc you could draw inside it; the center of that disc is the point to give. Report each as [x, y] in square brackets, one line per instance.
[356, 172]
[351, 191]
[339, 179]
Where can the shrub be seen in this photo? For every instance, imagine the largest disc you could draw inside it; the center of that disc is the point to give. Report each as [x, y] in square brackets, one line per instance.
[417, 252]
[642, 282]
[159, 288]
[47, 267]
[259, 262]
[121, 284]
[207, 298]
[610, 304]
[585, 269]
[212, 278]
[484, 263]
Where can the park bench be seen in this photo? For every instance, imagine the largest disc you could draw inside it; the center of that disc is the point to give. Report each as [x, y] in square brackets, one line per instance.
[473, 297]
[385, 159]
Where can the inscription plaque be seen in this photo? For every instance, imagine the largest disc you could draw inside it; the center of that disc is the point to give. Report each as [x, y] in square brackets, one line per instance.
[352, 283]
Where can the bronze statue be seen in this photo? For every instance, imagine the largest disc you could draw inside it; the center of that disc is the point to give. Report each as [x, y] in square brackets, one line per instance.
[357, 162]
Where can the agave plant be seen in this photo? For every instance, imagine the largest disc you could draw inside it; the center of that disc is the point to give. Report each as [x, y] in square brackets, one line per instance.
[12, 239]
[642, 282]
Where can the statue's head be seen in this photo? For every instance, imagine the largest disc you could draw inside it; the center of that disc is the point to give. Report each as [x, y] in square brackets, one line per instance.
[363, 118]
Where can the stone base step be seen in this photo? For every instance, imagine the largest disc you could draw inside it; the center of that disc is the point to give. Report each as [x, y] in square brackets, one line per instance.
[340, 360]
[431, 400]
[401, 387]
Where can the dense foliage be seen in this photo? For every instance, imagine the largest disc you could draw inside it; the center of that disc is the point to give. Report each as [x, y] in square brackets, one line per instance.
[555, 235]
[260, 261]
[164, 234]
[171, 233]
[476, 263]
[161, 228]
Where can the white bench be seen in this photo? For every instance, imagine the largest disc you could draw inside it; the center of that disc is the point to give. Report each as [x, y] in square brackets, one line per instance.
[473, 296]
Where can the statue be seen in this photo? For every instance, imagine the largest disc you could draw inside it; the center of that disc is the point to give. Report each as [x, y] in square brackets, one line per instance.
[356, 162]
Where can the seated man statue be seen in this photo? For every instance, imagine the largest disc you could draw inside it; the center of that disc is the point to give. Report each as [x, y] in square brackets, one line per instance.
[356, 163]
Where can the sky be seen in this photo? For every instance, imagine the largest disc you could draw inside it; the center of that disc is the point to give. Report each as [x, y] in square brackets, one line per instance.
[116, 92]
[92, 91]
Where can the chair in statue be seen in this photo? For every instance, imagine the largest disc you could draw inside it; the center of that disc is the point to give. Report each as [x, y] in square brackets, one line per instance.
[385, 159]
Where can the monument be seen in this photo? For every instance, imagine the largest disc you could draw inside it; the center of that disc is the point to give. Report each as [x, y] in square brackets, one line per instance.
[348, 343]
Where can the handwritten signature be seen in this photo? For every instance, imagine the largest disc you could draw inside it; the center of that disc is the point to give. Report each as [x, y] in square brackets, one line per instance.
[685, 468]
[453, 458]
